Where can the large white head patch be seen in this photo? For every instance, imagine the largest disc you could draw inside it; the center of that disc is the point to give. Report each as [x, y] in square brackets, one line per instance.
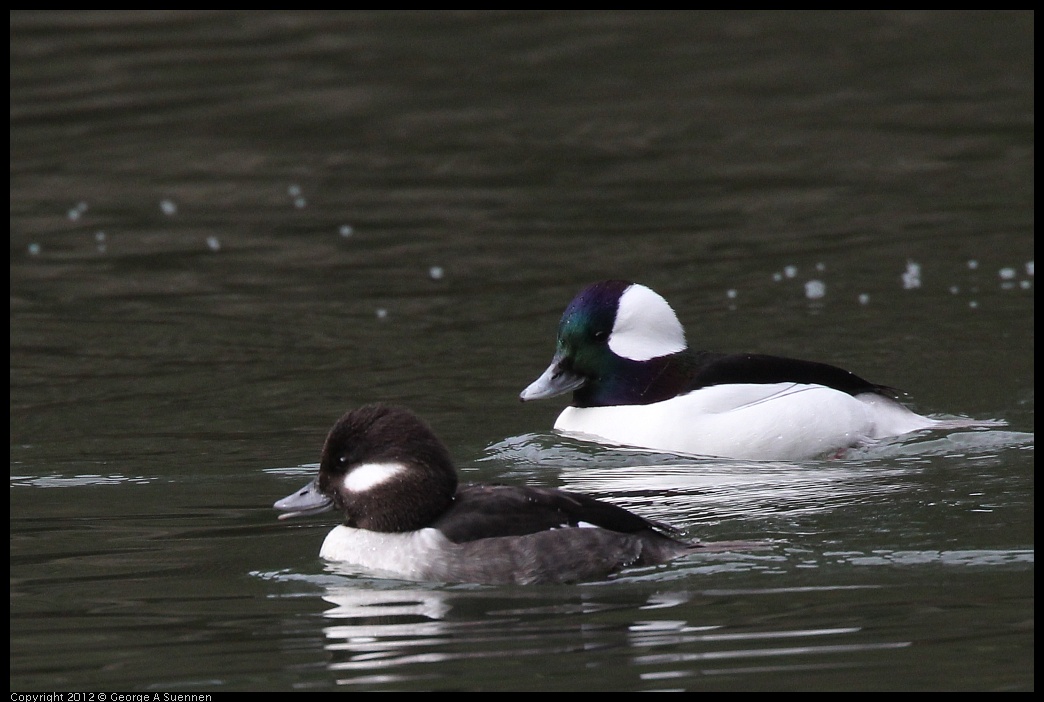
[646, 326]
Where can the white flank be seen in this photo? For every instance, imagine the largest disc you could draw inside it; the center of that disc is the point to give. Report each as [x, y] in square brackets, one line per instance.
[783, 421]
[646, 326]
[369, 475]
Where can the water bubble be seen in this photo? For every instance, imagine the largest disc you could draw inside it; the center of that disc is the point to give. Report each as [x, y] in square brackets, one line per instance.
[815, 289]
[34, 249]
[1029, 268]
[382, 313]
[213, 244]
[912, 275]
[77, 211]
[436, 272]
[168, 207]
[731, 293]
[790, 271]
[1006, 273]
[300, 202]
[294, 190]
[973, 264]
[346, 230]
[777, 276]
[864, 299]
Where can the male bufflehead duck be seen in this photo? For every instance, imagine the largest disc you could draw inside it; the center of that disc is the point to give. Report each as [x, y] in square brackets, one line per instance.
[635, 382]
[406, 516]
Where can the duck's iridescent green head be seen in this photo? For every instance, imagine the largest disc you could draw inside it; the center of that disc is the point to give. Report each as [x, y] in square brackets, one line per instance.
[604, 332]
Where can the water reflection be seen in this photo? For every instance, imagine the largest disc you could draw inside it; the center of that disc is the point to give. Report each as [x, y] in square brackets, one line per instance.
[990, 557]
[382, 633]
[79, 480]
[686, 491]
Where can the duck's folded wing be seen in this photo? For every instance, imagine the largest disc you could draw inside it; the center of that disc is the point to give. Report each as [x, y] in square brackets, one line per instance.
[748, 368]
[487, 511]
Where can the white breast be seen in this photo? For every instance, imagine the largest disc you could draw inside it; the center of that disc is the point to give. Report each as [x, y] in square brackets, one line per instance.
[782, 421]
[407, 555]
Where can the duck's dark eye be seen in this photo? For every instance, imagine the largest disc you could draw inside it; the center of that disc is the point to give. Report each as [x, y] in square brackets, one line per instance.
[600, 335]
[342, 461]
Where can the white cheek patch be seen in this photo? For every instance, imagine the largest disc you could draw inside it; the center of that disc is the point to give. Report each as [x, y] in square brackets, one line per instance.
[369, 475]
[646, 326]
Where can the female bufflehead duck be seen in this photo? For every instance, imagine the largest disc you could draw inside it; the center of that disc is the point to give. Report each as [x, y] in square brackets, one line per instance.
[405, 515]
[635, 382]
